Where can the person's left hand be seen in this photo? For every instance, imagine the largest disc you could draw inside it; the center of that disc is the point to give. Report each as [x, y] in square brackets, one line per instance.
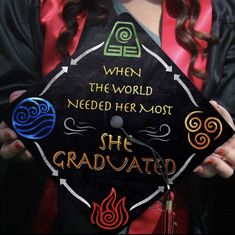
[222, 160]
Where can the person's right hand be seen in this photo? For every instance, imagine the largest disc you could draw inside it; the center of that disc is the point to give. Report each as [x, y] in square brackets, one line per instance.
[11, 146]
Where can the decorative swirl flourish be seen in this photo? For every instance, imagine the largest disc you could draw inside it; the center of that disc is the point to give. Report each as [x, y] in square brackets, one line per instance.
[211, 126]
[111, 214]
[158, 134]
[123, 35]
[73, 129]
[44, 108]
[34, 111]
[201, 140]
[193, 124]
[22, 116]
[34, 118]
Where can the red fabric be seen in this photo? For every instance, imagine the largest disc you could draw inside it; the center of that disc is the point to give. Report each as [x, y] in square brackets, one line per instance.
[52, 24]
[178, 54]
[152, 220]
[47, 209]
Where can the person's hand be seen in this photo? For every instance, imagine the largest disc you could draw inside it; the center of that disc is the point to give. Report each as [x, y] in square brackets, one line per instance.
[10, 145]
[222, 160]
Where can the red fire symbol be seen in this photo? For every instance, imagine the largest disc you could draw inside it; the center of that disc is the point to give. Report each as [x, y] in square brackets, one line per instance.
[111, 214]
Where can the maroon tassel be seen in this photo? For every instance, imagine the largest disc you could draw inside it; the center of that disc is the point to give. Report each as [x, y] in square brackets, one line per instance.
[169, 219]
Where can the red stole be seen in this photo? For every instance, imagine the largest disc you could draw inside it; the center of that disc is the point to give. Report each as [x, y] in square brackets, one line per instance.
[52, 25]
[178, 54]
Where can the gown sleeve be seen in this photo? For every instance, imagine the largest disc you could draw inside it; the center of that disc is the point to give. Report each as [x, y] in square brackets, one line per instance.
[21, 185]
[20, 46]
[221, 83]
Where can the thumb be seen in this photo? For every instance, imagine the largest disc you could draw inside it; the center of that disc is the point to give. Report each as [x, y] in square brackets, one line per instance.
[223, 112]
[16, 94]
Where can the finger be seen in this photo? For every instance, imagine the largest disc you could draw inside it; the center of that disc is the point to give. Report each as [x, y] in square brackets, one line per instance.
[7, 135]
[25, 155]
[231, 142]
[227, 154]
[222, 168]
[16, 94]
[3, 125]
[205, 170]
[198, 170]
[12, 149]
[224, 113]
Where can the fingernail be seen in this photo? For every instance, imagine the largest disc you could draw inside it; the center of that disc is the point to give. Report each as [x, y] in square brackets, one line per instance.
[214, 102]
[210, 161]
[220, 152]
[19, 145]
[229, 163]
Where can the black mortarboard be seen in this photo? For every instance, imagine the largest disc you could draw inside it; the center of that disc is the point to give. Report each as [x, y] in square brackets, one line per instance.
[116, 124]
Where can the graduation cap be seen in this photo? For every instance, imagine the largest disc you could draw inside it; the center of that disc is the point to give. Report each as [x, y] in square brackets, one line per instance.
[117, 124]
